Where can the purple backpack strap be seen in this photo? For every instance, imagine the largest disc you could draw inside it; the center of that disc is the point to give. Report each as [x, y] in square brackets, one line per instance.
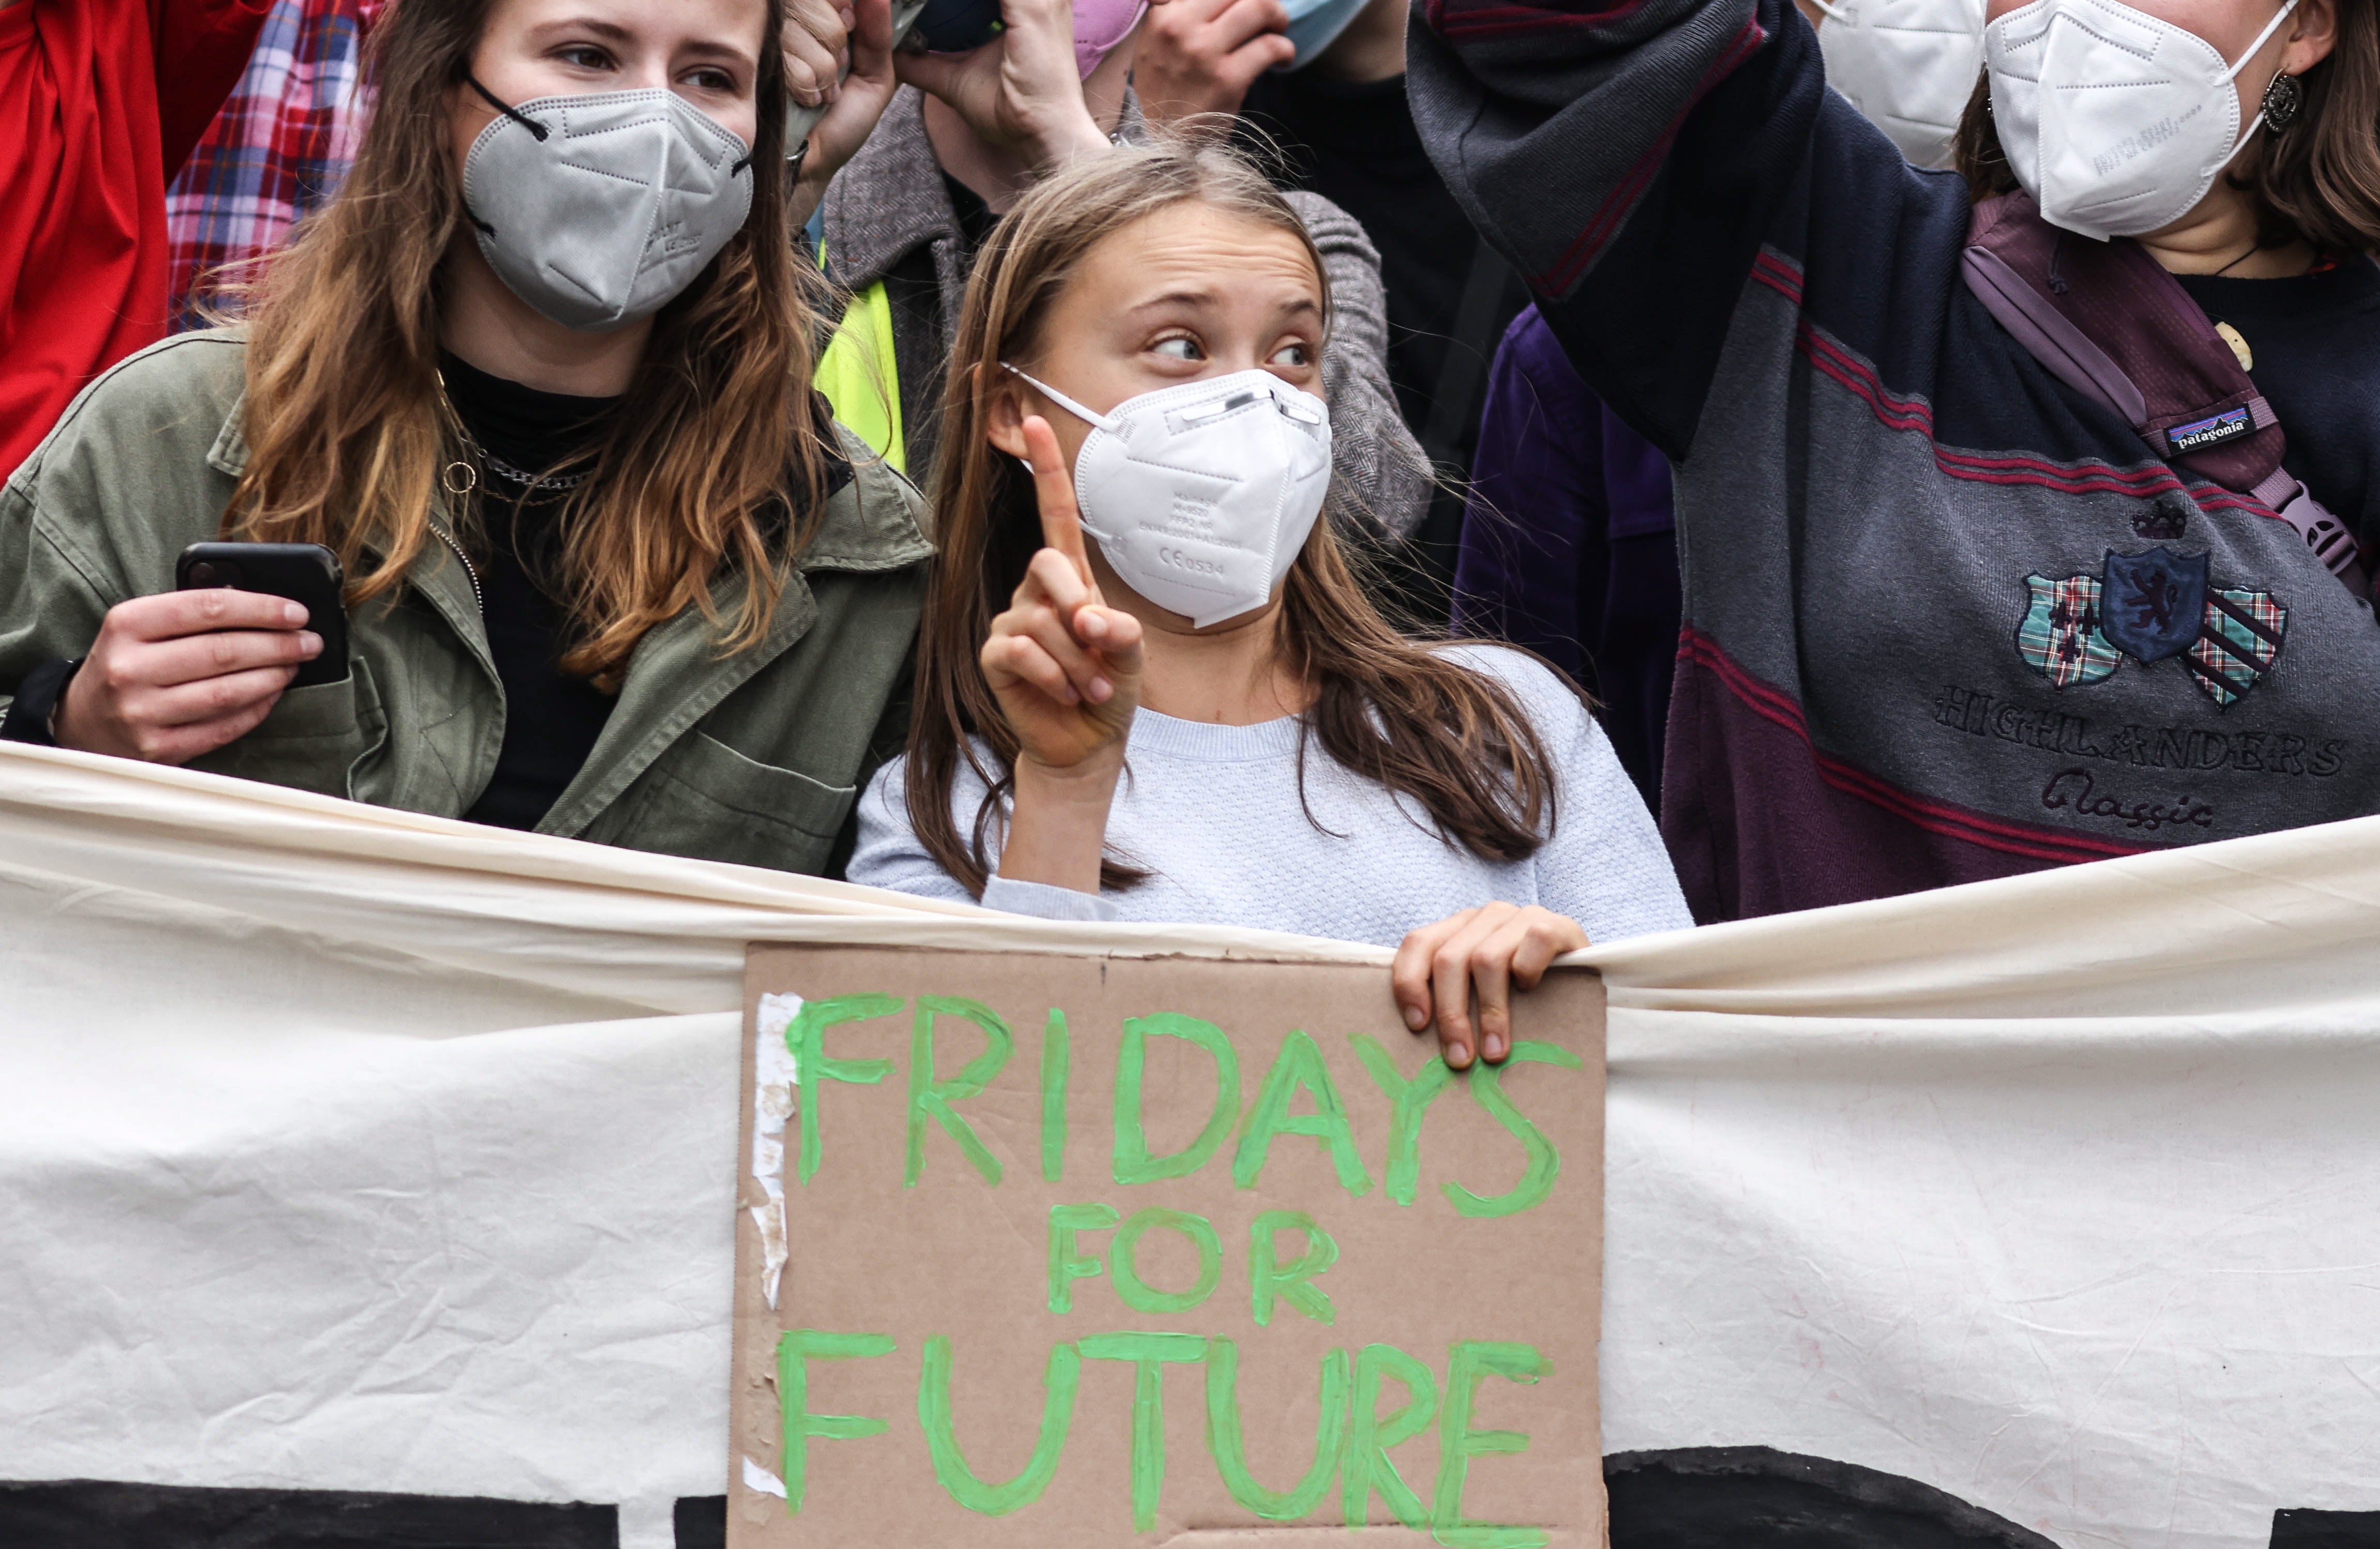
[2106, 321]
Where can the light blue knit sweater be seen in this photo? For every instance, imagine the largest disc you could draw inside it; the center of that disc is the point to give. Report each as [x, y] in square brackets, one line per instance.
[1212, 813]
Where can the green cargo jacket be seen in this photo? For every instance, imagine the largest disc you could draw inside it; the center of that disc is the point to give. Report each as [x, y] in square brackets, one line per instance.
[755, 757]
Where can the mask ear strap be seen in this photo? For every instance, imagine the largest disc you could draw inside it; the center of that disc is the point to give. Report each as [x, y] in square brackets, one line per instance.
[1061, 400]
[2270, 28]
[2258, 122]
[531, 125]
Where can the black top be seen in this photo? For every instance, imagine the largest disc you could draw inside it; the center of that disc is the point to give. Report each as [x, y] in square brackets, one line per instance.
[1353, 143]
[551, 719]
[976, 219]
[2316, 343]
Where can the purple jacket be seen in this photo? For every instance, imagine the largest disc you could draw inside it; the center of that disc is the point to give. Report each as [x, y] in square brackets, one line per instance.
[1568, 546]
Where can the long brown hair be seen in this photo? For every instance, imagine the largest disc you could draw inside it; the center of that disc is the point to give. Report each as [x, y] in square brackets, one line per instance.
[714, 439]
[2316, 181]
[1394, 712]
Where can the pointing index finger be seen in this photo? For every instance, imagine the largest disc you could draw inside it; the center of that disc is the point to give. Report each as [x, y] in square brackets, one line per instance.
[1053, 490]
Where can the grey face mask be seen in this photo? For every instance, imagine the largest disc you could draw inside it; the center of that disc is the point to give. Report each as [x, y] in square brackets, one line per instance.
[599, 210]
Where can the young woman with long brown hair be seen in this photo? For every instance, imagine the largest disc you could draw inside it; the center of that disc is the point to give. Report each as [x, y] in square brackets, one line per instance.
[1200, 717]
[540, 378]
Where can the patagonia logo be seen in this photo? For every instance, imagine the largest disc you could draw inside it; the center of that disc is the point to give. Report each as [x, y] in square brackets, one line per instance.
[2229, 425]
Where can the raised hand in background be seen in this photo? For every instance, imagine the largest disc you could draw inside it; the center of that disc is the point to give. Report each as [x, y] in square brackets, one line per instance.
[1022, 91]
[1200, 56]
[838, 58]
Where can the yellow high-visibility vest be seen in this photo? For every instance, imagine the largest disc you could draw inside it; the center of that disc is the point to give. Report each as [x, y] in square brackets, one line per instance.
[862, 380]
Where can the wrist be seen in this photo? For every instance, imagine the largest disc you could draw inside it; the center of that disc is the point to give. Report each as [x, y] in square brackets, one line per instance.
[1090, 782]
[808, 191]
[1057, 826]
[1069, 135]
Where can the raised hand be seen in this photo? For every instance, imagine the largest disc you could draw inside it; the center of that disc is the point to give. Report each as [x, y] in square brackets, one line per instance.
[816, 40]
[1487, 952]
[1065, 666]
[838, 58]
[1022, 90]
[1200, 56]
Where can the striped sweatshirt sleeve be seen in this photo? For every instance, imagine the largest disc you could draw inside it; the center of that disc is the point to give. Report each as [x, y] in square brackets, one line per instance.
[1630, 158]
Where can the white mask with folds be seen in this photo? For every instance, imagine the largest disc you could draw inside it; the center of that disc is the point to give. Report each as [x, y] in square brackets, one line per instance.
[2115, 121]
[1201, 494]
[1908, 65]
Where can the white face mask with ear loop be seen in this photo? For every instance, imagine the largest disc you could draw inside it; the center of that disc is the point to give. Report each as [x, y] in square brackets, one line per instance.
[2115, 121]
[1908, 66]
[1202, 494]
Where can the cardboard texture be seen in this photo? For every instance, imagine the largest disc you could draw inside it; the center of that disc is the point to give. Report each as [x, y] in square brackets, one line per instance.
[937, 1398]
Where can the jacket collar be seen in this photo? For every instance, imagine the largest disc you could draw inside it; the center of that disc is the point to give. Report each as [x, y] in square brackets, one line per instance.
[678, 675]
[889, 198]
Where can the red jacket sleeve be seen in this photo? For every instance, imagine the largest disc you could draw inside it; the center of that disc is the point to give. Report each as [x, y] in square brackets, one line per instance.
[203, 49]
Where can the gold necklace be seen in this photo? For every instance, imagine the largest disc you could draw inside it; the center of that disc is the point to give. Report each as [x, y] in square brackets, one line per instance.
[456, 477]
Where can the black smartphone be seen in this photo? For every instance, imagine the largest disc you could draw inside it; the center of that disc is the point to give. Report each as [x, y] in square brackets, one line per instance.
[308, 574]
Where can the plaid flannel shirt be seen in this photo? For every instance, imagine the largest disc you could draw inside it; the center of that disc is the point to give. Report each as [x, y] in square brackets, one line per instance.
[277, 150]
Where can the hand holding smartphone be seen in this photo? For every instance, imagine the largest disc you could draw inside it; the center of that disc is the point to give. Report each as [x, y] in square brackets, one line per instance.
[308, 574]
[181, 673]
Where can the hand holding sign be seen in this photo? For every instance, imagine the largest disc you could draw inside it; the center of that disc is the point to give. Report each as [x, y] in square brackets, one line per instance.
[1490, 951]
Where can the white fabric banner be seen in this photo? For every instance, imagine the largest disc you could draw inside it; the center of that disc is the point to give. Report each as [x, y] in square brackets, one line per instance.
[348, 1150]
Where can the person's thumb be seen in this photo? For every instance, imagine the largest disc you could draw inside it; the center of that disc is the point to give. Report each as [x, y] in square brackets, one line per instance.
[930, 73]
[1121, 651]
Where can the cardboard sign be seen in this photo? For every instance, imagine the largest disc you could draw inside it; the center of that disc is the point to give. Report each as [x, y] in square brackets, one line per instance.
[1090, 1252]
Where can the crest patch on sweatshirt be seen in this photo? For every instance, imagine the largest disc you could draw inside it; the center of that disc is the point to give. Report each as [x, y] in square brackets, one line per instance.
[2059, 637]
[2150, 606]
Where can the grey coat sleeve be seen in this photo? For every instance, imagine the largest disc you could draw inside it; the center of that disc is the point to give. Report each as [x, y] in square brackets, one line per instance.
[1379, 464]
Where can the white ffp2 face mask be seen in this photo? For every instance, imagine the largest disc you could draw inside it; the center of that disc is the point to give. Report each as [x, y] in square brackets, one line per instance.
[1202, 494]
[1908, 66]
[599, 210]
[2116, 122]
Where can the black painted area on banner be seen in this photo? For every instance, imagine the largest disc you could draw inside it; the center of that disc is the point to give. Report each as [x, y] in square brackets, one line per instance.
[1756, 1497]
[101, 1513]
[1733, 1497]
[701, 1522]
[2326, 1529]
